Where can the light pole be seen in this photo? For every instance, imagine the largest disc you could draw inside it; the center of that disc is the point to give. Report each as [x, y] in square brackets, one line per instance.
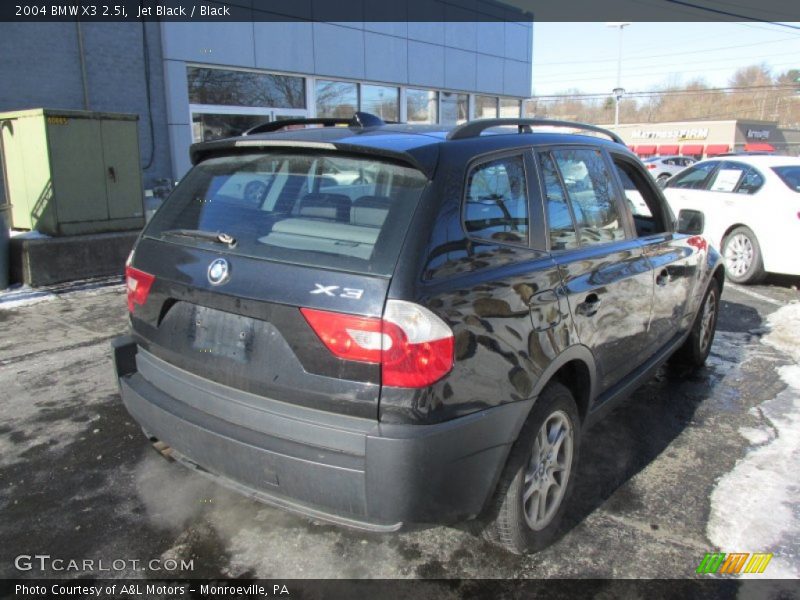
[618, 91]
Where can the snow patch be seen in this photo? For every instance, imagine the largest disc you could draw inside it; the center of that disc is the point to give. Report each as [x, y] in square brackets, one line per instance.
[28, 235]
[23, 295]
[784, 332]
[755, 507]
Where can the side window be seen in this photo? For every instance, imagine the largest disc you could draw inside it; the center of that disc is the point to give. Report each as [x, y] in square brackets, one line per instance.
[496, 203]
[591, 193]
[727, 177]
[633, 195]
[643, 201]
[751, 182]
[559, 219]
[693, 178]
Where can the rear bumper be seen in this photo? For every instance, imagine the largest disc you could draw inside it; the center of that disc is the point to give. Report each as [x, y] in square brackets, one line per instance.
[351, 471]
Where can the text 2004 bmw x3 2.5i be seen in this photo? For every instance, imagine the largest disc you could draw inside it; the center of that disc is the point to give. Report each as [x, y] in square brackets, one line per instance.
[382, 325]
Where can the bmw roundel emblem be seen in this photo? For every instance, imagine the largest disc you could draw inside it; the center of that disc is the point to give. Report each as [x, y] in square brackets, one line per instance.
[218, 271]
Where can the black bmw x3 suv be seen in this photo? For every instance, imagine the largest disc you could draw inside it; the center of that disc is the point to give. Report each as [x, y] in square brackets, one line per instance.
[381, 324]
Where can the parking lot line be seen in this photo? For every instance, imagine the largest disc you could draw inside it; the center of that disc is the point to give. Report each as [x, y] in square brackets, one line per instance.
[756, 295]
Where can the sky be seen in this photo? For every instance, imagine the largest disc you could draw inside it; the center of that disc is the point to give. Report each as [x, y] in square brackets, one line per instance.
[584, 56]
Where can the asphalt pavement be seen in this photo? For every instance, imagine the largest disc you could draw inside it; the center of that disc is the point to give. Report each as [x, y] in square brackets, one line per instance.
[78, 480]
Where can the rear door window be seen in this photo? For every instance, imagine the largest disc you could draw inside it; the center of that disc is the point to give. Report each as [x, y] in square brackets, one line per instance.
[332, 211]
[790, 176]
[496, 203]
[590, 190]
[559, 218]
[693, 178]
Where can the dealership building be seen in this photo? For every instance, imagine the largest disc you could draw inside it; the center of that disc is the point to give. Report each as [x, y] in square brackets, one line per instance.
[196, 81]
[703, 139]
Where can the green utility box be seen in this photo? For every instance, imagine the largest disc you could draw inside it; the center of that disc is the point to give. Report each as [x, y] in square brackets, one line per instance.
[72, 172]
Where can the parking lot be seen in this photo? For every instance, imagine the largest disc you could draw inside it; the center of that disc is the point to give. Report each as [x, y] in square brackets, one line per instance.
[693, 462]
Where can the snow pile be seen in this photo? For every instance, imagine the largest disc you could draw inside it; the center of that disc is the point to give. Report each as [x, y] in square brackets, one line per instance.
[23, 295]
[755, 507]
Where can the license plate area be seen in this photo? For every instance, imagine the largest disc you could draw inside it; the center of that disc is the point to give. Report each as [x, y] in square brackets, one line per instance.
[220, 334]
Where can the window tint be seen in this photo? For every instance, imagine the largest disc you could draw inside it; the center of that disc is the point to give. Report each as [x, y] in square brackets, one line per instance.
[642, 200]
[559, 219]
[633, 196]
[496, 204]
[790, 176]
[591, 194]
[693, 178]
[751, 182]
[323, 210]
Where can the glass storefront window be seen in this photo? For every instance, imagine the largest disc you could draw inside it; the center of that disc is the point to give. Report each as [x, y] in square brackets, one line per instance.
[509, 107]
[336, 98]
[209, 126]
[421, 106]
[454, 108]
[382, 101]
[485, 107]
[245, 88]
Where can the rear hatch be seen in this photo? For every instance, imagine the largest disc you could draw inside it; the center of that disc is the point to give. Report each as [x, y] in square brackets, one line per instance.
[240, 275]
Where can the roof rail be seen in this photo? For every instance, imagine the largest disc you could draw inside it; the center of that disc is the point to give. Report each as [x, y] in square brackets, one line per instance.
[475, 128]
[359, 120]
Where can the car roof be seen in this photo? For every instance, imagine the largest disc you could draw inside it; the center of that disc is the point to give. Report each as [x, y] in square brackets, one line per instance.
[762, 160]
[415, 144]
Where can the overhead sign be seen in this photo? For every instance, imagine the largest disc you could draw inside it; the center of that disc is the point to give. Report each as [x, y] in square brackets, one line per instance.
[758, 134]
[698, 133]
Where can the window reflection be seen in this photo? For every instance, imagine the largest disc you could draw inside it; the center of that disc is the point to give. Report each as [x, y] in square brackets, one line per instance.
[209, 126]
[336, 98]
[485, 107]
[421, 106]
[455, 108]
[382, 101]
[245, 88]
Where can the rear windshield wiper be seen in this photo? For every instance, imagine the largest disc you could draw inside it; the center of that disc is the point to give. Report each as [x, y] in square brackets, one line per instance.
[216, 237]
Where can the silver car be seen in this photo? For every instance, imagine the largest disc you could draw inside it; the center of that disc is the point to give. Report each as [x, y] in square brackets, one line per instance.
[664, 167]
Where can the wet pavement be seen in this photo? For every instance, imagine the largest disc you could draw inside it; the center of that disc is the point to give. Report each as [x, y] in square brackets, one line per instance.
[79, 480]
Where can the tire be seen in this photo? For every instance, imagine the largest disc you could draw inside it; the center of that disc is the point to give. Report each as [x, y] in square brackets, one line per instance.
[695, 349]
[523, 525]
[742, 255]
[661, 179]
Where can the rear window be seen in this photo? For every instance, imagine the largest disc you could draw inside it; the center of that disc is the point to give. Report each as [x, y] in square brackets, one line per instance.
[790, 176]
[331, 211]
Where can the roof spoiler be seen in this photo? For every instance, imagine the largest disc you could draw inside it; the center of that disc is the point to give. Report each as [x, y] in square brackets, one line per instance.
[359, 120]
[475, 128]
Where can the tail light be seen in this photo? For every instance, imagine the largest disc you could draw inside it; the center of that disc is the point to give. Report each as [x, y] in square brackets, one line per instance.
[413, 346]
[651, 166]
[138, 283]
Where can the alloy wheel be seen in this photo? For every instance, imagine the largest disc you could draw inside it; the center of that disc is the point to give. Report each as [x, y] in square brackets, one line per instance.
[739, 254]
[548, 471]
[707, 320]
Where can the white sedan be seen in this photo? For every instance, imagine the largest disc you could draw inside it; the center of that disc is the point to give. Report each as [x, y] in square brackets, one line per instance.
[752, 211]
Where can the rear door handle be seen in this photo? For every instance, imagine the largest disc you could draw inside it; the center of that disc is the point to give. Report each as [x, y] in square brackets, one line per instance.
[663, 278]
[590, 306]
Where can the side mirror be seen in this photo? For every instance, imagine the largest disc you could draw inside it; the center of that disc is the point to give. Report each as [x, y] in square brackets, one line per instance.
[690, 222]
